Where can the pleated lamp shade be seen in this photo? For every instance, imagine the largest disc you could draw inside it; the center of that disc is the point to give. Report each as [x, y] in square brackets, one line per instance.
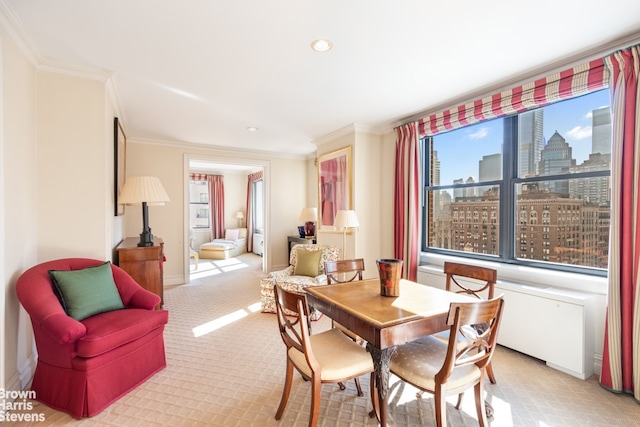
[138, 189]
[145, 191]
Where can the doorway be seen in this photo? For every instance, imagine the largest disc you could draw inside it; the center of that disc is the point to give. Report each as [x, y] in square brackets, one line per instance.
[236, 176]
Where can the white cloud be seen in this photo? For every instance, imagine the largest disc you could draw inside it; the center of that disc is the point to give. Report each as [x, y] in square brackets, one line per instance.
[480, 133]
[579, 132]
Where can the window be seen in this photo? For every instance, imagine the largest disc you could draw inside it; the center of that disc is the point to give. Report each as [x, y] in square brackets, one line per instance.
[258, 197]
[199, 204]
[532, 188]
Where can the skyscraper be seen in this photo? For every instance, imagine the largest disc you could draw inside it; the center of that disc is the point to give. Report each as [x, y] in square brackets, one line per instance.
[556, 158]
[530, 127]
[601, 131]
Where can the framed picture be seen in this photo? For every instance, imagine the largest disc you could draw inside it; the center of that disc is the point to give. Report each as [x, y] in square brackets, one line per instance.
[334, 192]
[119, 163]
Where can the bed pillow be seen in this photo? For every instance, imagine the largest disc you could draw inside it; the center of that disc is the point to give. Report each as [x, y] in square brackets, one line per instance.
[87, 291]
[232, 234]
[307, 263]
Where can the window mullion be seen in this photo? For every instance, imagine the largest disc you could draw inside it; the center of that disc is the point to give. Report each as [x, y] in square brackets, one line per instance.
[507, 190]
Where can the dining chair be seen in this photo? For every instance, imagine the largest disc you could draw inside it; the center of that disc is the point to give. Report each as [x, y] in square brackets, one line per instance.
[344, 271]
[326, 357]
[447, 369]
[481, 286]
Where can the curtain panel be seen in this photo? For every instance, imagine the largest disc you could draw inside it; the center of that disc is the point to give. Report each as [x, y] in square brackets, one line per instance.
[621, 355]
[406, 215]
[570, 83]
[215, 185]
[250, 208]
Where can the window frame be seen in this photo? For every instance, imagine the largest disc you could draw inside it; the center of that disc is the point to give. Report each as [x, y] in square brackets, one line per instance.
[507, 210]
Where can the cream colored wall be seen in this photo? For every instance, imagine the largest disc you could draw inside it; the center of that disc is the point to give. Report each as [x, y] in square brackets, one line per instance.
[20, 206]
[369, 174]
[285, 195]
[235, 198]
[74, 168]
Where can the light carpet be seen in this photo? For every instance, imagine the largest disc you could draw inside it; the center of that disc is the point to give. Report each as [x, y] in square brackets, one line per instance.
[225, 367]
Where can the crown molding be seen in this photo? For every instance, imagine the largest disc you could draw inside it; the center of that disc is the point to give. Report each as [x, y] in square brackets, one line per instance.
[347, 130]
[221, 149]
[11, 24]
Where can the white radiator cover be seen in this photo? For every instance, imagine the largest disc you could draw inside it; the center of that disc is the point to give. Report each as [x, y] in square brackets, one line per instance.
[258, 244]
[550, 324]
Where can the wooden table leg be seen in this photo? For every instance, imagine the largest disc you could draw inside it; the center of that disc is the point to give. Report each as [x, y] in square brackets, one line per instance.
[382, 365]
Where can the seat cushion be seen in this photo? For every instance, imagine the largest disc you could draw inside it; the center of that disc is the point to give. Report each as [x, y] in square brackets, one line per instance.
[338, 355]
[107, 331]
[419, 361]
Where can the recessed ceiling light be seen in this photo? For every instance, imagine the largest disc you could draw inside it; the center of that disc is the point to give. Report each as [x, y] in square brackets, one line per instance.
[252, 128]
[321, 45]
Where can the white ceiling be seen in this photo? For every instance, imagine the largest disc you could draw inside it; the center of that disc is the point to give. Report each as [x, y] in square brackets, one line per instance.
[202, 71]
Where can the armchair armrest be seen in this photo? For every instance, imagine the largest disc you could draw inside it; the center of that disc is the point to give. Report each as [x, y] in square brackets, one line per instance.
[143, 299]
[62, 328]
[282, 273]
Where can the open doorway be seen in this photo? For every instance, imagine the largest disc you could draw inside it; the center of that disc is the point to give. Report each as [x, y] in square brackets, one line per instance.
[224, 223]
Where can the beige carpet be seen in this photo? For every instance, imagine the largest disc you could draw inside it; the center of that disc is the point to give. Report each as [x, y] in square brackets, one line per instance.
[226, 368]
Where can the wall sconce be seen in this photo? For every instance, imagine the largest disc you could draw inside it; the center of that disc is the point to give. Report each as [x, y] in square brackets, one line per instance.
[145, 190]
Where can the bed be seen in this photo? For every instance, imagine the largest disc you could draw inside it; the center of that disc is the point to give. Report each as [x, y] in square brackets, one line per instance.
[233, 244]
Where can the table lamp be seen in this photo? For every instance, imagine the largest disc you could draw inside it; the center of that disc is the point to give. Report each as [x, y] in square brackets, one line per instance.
[309, 216]
[239, 217]
[346, 220]
[145, 190]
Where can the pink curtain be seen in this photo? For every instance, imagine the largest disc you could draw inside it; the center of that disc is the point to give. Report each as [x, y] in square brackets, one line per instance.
[250, 210]
[215, 184]
[621, 358]
[406, 216]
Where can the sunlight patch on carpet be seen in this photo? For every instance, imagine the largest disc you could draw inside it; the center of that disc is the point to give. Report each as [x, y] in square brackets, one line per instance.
[218, 323]
[209, 268]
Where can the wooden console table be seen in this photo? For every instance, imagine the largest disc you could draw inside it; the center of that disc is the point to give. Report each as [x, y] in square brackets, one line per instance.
[144, 264]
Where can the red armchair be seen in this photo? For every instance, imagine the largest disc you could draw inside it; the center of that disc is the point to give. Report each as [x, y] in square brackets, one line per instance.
[84, 366]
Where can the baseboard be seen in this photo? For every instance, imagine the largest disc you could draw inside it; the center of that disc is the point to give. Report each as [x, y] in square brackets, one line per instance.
[175, 279]
[22, 377]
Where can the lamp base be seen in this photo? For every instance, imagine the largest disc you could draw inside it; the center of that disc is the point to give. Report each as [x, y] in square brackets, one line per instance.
[146, 239]
[309, 228]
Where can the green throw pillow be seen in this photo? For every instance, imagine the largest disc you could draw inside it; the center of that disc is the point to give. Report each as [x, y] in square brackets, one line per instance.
[307, 263]
[87, 291]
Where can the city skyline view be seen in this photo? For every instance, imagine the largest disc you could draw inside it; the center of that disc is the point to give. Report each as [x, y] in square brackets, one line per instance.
[460, 151]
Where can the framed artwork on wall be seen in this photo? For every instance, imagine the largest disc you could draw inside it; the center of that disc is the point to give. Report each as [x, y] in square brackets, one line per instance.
[335, 186]
[119, 157]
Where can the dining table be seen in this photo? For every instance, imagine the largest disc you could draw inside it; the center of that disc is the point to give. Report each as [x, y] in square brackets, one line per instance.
[385, 322]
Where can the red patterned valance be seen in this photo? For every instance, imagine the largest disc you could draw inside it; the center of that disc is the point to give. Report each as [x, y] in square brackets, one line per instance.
[570, 83]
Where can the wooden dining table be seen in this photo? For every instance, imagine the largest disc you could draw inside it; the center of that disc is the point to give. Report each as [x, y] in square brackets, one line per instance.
[385, 322]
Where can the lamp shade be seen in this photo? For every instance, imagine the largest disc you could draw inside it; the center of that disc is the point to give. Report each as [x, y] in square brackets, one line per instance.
[346, 219]
[239, 215]
[138, 189]
[308, 215]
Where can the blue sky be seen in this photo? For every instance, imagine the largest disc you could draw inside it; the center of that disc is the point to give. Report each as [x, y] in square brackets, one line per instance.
[459, 151]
